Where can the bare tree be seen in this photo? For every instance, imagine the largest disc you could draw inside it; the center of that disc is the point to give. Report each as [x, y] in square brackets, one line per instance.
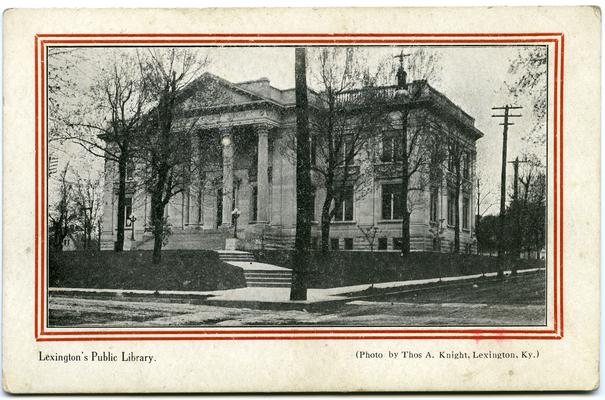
[456, 157]
[528, 85]
[347, 117]
[63, 214]
[165, 146]
[88, 195]
[485, 196]
[62, 90]
[415, 123]
[108, 128]
[532, 204]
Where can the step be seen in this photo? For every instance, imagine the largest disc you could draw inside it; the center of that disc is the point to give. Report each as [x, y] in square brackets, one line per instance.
[267, 273]
[236, 256]
[263, 284]
[268, 278]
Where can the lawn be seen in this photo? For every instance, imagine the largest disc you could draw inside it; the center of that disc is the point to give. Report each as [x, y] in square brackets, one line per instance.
[523, 289]
[486, 302]
[345, 268]
[179, 270]
[198, 270]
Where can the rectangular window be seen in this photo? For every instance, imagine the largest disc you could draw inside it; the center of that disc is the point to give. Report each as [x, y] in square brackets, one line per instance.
[334, 243]
[382, 243]
[387, 149]
[397, 243]
[451, 158]
[391, 202]
[344, 208]
[391, 147]
[466, 166]
[342, 147]
[451, 207]
[315, 242]
[434, 203]
[465, 212]
[348, 243]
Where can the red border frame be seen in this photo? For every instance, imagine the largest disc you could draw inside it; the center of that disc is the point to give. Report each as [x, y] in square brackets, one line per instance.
[42, 334]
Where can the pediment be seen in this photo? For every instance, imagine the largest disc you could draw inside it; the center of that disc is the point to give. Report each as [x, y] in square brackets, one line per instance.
[210, 90]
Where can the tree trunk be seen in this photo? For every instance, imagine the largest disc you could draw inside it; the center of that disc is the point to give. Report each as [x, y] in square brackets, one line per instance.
[157, 218]
[325, 223]
[119, 245]
[405, 222]
[303, 181]
[157, 249]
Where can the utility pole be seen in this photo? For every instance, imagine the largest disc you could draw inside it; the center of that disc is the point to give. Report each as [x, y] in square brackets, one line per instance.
[298, 289]
[517, 238]
[506, 115]
[516, 163]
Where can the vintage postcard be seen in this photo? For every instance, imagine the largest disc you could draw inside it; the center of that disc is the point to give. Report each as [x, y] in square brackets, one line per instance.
[301, 200]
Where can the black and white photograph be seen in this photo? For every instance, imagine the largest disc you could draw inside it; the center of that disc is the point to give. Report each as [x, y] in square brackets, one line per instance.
[301, 200]
[280, 185]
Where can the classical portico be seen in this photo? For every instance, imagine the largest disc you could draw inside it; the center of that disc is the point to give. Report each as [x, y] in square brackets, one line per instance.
[259, 210]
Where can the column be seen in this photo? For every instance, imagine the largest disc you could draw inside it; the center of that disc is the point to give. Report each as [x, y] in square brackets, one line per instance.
[262, 173]
[227, 143]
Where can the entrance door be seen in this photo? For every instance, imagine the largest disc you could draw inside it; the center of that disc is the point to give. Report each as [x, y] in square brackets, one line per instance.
[219, 207]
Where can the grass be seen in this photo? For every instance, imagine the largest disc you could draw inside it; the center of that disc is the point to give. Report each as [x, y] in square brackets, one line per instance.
[345, 268]
[517, 300]
[521, 289]
[193, 270]
[198, 270]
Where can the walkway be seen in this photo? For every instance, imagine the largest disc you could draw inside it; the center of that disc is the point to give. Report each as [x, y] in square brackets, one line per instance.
[269, 297]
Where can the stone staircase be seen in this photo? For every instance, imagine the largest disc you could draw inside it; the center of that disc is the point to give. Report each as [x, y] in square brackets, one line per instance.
[257, 274]
[190, 240]
[278, 239]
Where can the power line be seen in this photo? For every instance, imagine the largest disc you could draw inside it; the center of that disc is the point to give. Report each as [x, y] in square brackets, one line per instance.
[506, 123]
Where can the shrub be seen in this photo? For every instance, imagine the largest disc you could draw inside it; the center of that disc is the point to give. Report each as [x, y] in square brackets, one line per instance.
[344, 268]
[179, 270]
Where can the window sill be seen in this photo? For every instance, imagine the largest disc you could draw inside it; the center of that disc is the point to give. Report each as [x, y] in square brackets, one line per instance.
[343, 222]
[390, 221]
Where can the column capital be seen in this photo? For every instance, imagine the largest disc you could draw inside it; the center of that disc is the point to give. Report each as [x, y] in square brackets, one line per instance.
[262, 128]
[225, 131]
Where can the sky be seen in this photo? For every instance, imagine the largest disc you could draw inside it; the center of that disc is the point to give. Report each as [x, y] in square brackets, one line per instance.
[473, 77]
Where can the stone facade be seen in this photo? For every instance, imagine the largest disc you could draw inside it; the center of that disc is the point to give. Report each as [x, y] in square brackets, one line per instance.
[255, 173]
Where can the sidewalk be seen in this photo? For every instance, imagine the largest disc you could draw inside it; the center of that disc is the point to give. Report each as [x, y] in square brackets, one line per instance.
[272, 298]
